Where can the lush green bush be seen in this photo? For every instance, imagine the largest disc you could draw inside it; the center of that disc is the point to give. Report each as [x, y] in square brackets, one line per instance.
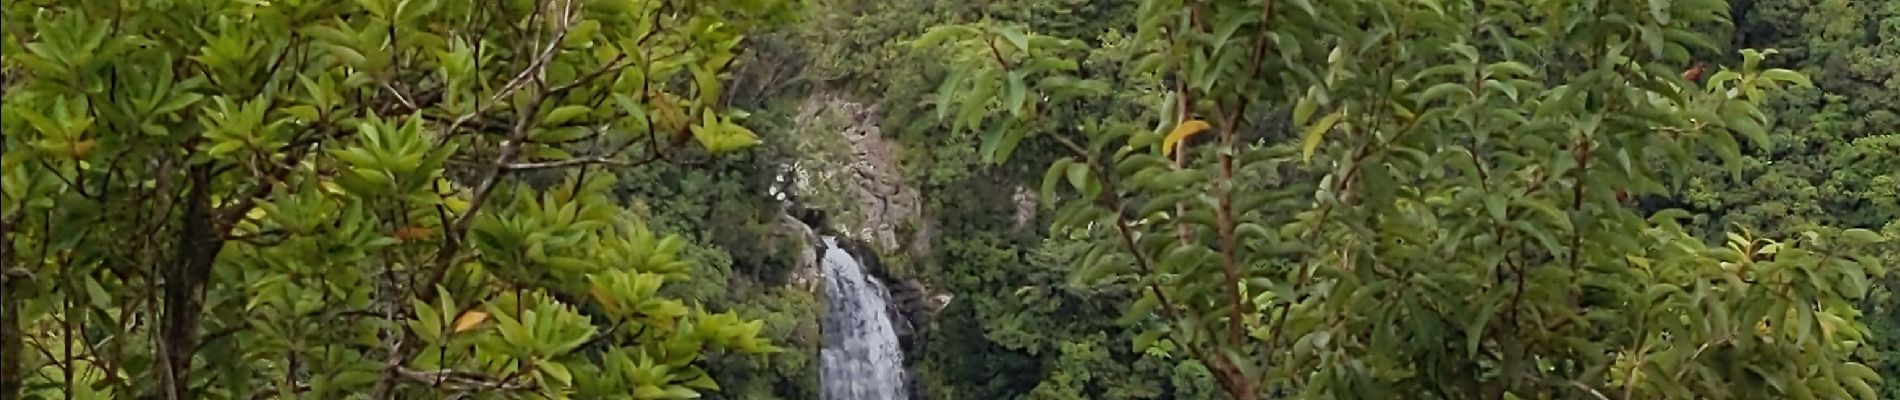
[246, 199]
[376, 199]
[1456, 222]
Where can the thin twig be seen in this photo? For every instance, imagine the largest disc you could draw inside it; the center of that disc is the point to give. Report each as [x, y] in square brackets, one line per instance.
[462, 380]
[573, 162]
[520, 80]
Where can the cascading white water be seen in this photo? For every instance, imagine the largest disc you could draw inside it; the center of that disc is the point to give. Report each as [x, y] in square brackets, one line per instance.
[861, 359]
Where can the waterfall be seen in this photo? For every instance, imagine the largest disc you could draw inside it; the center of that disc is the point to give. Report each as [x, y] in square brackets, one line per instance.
[861, 359]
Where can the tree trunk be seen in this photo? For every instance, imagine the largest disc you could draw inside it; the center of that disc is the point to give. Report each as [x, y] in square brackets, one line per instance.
[11, 376]
[197, 248]
[10, 341]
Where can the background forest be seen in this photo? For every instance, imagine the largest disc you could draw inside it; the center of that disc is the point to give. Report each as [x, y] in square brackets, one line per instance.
[656, 173]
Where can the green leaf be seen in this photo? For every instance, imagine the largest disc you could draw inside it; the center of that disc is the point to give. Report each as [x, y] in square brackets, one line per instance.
[566, 113]
[1862, 389]
[706, 80]
[977, 101]
[1740, 121]
[179, 102]
[1147, 339]
[1078, 175]
[1089, 270]
[1752, 58]
[1509, 69]
[937, 35]
[348, 55]
[1305, 6]
[1787, 76]
[328, 34]
[993, 143]
[636, 113]
[1803, 323]
[703, 382]
[513, 331]
[1659, 10]
[1723, 76]
[353, 378]
[1444, 90]
[1142, 309]
[303, 113]
[1474, 333]
[1303, 111]
[581, 33]
[1014, 93]
[681, 392]
[569, 264]
[1509, 91]
[1691, 38]
[1015, 38]
[1444, 69]
[1010, 139]
[1652, 39]
[1228, 26]
[1052, 176]
[1863, 236]
[555, 370]
[945, 93]
[1858, 370]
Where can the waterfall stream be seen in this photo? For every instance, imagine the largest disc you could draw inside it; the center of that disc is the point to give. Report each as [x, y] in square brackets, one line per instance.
[861, 359]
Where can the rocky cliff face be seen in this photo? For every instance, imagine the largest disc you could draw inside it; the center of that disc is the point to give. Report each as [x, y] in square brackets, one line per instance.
[806, 272]
[846, 182]
[847, 167]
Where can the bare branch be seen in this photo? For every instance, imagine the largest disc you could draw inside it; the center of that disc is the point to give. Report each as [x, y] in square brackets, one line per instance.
[462, 380]
[574, 162]
[614, 65]
[400, 97]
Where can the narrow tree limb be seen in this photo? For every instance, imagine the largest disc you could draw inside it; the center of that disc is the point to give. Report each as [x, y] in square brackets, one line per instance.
[11, 339]
[455, 231]
[520, 80]
[462, 380]
[194, 252]
[574, 162]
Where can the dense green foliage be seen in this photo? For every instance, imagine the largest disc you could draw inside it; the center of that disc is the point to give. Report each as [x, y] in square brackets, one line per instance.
[1836, 160]
[1451, 221]
[1020, 326]
[1128, 199]
[217, 199]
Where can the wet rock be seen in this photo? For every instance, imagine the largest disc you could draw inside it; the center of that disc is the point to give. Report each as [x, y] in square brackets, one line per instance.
[847, 164]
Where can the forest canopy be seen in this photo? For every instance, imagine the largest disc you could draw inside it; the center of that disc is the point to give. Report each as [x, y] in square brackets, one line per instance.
[1060, 199]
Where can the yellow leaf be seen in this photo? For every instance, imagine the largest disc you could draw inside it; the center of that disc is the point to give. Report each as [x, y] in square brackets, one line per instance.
[303, 113]
[330, 187]
[469, 320]
[414, 233]
[80, 148]
[1181, 133]
[455, 204]
[600, 295]
[1309, 140]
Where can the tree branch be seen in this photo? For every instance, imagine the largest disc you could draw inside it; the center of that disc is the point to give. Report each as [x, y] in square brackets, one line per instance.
[574, 162]
[462, 380]
[454, 232]
[520, 80]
